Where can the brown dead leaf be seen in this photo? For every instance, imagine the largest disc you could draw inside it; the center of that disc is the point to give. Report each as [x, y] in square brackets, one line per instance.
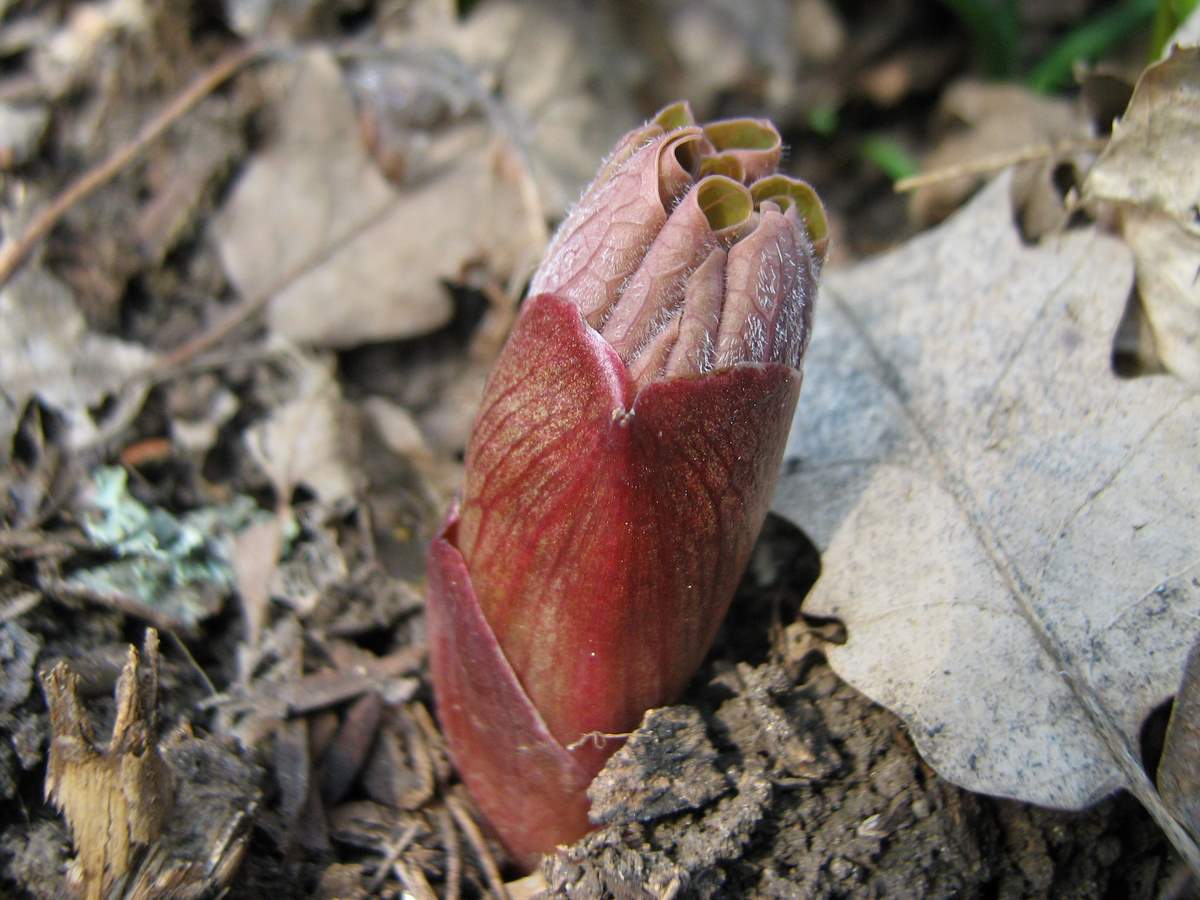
[346, 258]
[255, 559]
[383, 674]
[1008, 530]
[401, 772]
[1179, 768]
[309, 439]
[21, 131]
[293, 770]
[563, 78]
[47, 353]
[985, 122]
[343, 761]
[1149, 171]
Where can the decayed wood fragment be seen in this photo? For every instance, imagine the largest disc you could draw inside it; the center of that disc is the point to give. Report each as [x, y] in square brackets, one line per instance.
[149, 818]
[115, 798]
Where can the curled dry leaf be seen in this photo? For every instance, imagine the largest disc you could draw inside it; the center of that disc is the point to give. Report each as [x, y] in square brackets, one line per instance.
[1008, 530]
[47, 353]
[984, 124]
[309, 439]
[1149, 171]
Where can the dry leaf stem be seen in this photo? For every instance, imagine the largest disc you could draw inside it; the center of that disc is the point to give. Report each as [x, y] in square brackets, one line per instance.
[997, 161]
[462, 817]
[249, 306]
[15, 253]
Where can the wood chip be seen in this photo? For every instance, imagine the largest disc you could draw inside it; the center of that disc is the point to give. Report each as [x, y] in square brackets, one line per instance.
[114, 798]
[331, 687]
[348, 752]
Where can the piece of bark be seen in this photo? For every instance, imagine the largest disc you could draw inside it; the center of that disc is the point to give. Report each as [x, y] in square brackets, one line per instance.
[188, 801]
[667, 766]
[350, 748]
[342, 881]
[401, 772]
[329, 687]
[293, 770]
[19, 650]
[115, 797]
[204, 839]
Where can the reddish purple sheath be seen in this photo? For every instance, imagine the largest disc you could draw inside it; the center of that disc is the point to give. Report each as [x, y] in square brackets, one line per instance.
[601, 536]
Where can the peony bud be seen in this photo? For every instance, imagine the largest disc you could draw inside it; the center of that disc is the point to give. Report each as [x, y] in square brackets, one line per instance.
[621, 465]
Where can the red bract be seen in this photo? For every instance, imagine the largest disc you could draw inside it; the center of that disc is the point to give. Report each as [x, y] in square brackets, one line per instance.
[621, 465]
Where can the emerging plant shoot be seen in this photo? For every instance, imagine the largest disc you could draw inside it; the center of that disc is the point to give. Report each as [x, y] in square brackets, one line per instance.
[621, 465]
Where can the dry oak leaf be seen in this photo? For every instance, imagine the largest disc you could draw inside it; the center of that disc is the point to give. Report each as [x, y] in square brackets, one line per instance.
[47, 353]
[345, 257]
[981, 121]
[1008, 530]
[1149, 171]
[311, 439]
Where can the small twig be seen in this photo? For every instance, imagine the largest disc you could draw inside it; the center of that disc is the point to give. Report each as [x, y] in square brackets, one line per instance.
[421, 761]
[468, 827]
[451, 886]
[327, 688]
[187, 654]
[598, 739]
[249, 306]
[997, 161]
[394, 849]
[15, 253]
[414, 881]
[18, 605]
[216, 360]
